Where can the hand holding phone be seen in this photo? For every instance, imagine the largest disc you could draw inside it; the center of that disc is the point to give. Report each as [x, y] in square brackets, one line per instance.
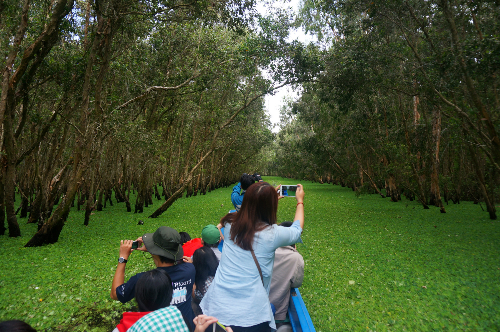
[140, 245]
[125, 248]
[202, 322]
[299, 194]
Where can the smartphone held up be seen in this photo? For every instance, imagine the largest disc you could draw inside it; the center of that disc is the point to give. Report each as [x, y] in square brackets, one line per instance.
[287, 190]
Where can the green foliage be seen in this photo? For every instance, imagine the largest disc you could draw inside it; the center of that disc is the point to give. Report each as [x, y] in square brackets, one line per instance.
[399, 98]
[369, 264]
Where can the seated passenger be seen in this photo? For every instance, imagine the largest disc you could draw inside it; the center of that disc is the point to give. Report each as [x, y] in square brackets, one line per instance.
[164, 245]
[153, 291]
[288, 272]
[190, 247]
[205, 263]
[184, 237]
[239, 294]
[246, 181]
[210, 237]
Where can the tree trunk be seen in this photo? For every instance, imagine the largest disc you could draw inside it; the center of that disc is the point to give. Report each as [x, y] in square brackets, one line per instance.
[189, 191]
[10, 175]
[362, 170]
[108, 197]
[139, 201]
[36, 206]
[157, 194]
[393, 190]
[146, 199]
[78, 199]
[197, 186]
[2, 202]
[118, 197]
[54, 193]
[164, 192]
[123, 197]
[204, 185]
[421, 196]
[373, 184]
[169, 202]
[150, 195]
[91, 201]
[99, 199]
[24, 207]
[127, 195]
[435, 196]
[489, 206]
[49, 233]
[211, 180]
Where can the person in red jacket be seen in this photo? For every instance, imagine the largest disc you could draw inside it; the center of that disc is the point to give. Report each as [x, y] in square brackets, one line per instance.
[190, 247]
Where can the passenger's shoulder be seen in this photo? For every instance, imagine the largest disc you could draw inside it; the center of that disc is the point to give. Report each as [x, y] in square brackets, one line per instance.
[187, 267]
[135, 277]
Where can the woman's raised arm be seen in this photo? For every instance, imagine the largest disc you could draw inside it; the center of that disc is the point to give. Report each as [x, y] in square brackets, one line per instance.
[299, 212]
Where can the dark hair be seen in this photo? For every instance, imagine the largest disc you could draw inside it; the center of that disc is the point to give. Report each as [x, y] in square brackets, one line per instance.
[214, 245]
[184, 237]
[257, 211]
[246, 181]
[153, 290]
[286, 223]
[205, 262]
[164, 259]
[15, 326]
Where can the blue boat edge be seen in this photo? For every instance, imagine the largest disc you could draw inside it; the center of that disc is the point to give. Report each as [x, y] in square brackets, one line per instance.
[298, 314]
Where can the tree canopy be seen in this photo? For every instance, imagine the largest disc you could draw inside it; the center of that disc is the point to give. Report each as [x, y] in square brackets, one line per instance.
[407, 102]
[113, 96]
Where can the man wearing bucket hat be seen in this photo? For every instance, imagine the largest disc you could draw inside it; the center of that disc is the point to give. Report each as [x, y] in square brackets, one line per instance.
[165, 247]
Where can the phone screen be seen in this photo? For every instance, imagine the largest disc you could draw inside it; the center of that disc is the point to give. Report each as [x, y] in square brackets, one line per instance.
[288, 191]
[135, 245]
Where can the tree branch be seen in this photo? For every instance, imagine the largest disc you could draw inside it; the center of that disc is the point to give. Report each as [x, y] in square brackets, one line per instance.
[158, 88]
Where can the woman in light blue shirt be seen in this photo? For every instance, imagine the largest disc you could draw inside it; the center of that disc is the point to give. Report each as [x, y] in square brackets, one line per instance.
[238, 296]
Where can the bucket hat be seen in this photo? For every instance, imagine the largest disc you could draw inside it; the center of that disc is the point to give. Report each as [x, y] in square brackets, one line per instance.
[165, 242]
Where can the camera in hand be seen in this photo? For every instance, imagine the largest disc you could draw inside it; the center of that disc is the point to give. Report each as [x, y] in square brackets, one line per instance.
[287, 190]
[135, 244]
